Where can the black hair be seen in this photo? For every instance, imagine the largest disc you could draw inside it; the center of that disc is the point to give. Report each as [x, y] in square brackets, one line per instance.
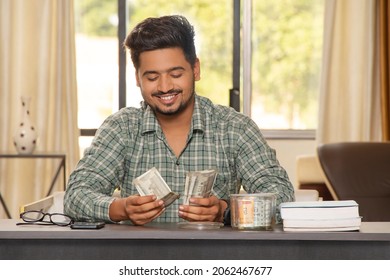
[159, 33]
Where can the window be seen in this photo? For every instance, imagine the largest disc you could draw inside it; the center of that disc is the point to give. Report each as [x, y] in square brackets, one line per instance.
[286, 59]
[286, 39]
[97, 64]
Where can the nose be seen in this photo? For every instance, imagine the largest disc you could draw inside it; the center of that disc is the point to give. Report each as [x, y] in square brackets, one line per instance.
[165, 83]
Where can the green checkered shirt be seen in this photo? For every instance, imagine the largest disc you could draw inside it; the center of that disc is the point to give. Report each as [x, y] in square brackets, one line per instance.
[130, 142]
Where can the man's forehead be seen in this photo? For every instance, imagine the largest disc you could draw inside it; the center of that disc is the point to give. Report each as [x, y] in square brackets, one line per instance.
[163, 60]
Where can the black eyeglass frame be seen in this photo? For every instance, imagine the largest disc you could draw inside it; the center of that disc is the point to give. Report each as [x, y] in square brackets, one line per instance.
[41, 221]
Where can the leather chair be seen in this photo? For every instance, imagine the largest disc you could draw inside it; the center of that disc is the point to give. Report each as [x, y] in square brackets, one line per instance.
[360, 171]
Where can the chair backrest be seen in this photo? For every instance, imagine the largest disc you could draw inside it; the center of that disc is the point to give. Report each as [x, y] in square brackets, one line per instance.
[309, 176]
[51, 204]
[360, 171]
[307, 195]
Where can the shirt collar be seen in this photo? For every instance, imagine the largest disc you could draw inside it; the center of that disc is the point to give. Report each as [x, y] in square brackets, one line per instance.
[151, 124]
[198, 116]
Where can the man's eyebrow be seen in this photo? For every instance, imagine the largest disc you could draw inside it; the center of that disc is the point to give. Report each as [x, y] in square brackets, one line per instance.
[154, 72]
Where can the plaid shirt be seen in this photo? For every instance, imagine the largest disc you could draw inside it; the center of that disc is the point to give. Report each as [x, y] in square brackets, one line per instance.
[131, 141]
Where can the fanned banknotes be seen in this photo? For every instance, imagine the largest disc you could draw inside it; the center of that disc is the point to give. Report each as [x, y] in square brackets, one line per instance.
[151, 182]
[198, 184]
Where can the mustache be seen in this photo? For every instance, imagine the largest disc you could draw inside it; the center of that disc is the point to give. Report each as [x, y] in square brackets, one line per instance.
[171, 91]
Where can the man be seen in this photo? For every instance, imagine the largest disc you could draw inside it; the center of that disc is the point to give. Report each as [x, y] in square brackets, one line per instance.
[176, 131]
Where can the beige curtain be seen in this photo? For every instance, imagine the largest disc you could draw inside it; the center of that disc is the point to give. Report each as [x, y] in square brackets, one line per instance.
[384, 46]
[37, 59]
[349, 96]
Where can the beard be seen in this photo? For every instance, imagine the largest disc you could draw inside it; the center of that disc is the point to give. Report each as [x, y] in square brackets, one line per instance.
[167, 111]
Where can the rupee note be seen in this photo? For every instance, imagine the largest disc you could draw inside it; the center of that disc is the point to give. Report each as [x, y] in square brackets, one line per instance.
[199, 184]
[151, 182]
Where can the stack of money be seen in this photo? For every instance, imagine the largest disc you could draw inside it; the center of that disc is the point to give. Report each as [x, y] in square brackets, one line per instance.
[151, 182]
[198, 184]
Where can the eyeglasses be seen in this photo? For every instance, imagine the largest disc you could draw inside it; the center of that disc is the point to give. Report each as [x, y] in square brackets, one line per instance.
[34, 217]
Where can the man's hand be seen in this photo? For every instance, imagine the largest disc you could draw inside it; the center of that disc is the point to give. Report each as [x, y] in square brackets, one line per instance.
[203, 209]
[139, 210]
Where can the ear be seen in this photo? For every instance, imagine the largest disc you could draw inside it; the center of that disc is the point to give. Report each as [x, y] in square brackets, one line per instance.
[197, 70]
[137, 78]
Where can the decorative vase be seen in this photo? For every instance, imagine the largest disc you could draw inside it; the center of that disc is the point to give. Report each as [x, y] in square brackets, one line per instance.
[25, 138]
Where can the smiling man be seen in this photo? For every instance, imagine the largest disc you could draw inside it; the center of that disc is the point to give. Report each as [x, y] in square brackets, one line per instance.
[167, 80]
[176, 131]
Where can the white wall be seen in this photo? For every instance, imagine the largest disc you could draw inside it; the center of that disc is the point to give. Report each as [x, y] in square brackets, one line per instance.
[288, 150]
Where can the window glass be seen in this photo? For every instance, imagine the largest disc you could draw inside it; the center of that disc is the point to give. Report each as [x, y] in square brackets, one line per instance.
[286, 60]
[97, 60]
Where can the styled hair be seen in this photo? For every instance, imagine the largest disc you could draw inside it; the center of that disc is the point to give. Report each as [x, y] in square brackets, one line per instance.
[159, 33]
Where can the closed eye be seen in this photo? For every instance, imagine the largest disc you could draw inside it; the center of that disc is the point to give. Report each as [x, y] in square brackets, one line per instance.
[152, 78]
[176, 75]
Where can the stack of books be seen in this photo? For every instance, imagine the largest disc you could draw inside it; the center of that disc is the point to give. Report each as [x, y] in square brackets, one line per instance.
[338, 215]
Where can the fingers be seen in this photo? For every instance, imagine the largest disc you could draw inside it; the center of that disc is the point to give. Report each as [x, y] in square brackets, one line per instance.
[190, 214]
[140, 200]
[205, 202]
[201, 209]
[143, 209]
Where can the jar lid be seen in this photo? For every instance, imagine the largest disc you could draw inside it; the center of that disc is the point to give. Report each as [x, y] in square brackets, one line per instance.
[254, 195]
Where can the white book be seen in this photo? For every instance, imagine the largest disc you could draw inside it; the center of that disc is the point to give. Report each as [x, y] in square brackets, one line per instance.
[337, 209]
[295, 229]
[322, 223]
